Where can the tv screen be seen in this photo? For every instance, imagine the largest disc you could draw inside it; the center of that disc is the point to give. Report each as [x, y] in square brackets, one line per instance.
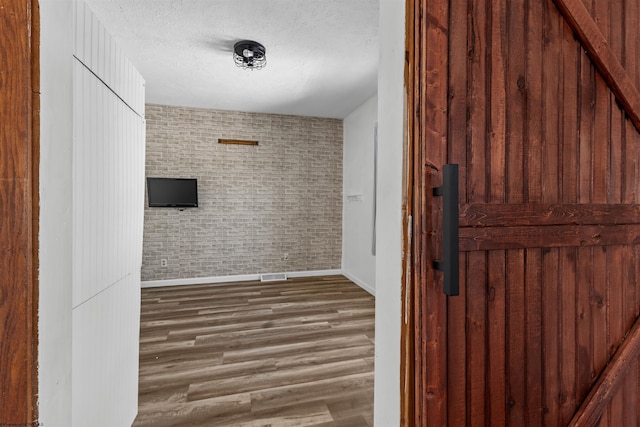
[172, 192]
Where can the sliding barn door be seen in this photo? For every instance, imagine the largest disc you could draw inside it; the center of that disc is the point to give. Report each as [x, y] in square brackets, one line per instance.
[536, 102]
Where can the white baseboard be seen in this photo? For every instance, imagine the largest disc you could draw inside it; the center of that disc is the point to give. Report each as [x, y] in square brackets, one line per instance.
[314, 273]
[360, 283]
[228, 279]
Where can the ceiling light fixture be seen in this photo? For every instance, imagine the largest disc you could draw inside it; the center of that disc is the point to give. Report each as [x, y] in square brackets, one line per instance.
[250, 55]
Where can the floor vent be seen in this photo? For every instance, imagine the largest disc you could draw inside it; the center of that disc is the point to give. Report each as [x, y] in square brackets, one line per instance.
[273, 277]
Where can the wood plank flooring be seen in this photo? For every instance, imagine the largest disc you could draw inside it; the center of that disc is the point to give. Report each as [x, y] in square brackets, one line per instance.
[294, 353]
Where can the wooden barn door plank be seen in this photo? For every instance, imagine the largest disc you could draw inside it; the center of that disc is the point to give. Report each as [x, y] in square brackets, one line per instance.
[616, 255]
[495, 289]
[591, 37]
[456, 309]
[477, 191]
[609, 381]
[552, 110]
[435, 18]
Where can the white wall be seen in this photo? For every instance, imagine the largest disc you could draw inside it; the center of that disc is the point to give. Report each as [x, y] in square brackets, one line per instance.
[108, 202]
[56, 142]
[389, 214]
[358, 261]
[92, 192]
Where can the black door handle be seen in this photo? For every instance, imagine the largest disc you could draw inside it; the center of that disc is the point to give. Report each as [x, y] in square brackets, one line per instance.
[449, 265]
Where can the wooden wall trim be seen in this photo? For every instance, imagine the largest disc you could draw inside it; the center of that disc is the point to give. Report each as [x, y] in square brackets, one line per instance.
[35, 200]
[19, 160]
[603, 57]
[237, 141]
[407, 367]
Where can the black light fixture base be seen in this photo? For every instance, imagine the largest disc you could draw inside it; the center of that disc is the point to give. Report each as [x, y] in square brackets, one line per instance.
[249, 54]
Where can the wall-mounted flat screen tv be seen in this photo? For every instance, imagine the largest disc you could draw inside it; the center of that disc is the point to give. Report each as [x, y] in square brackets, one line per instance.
[172, 192]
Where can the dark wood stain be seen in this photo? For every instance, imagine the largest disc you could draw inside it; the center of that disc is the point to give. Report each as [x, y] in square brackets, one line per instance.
[19, 115]
[599, 50]
[606, 386]
[293, 353]
[237, 141]
[511, 215]
[553, 236]
[543, 125]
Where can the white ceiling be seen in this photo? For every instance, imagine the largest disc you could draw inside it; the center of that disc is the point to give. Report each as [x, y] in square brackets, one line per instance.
[322, 55]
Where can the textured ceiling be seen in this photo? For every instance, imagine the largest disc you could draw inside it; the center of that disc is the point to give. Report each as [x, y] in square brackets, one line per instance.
[322, 55]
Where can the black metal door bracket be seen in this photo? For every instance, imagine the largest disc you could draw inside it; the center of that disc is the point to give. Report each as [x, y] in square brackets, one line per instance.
[449, 265]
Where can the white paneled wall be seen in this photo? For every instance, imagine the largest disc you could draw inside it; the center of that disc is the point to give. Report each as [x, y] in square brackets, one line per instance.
[108, 206]
[108, 187]
[105, 357]
[96, 49]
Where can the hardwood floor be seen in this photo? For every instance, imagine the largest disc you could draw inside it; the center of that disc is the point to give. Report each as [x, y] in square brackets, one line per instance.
[295, 353]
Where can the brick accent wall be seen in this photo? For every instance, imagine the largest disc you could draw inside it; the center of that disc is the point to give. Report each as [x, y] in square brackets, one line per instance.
[256, 203]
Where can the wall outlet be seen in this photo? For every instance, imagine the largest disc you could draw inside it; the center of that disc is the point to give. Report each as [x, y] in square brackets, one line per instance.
[285, 256]
[163, 263]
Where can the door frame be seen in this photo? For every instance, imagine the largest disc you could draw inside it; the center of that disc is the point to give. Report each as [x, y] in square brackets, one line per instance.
[19, 211]
[421, 233]
[407, 352]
